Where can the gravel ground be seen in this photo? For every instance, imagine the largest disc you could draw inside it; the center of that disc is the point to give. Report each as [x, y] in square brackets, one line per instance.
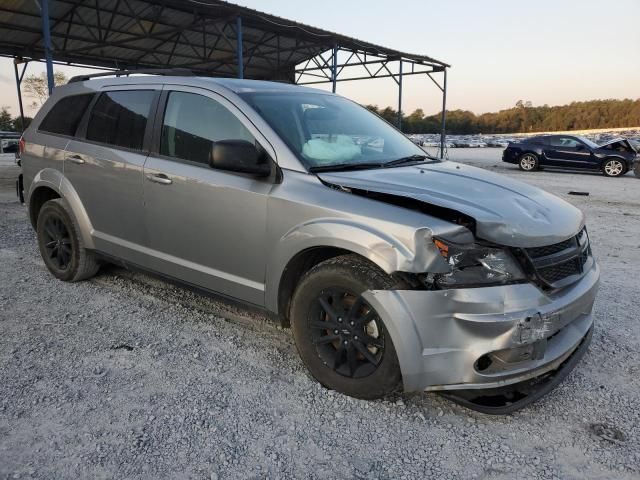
[125, 376]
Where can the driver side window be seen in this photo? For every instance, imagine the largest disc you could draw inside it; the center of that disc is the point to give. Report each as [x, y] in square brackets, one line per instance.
[192, 123]
[565, 142]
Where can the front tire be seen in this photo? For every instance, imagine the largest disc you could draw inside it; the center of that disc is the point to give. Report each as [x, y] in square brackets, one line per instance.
[613, 168]
[60, 244]
[340, 337]
[528, 162]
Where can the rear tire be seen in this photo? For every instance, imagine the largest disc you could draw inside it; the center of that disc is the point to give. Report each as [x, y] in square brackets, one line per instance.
[60, 243]
[528, 162]
[340, 338]
[613, 167]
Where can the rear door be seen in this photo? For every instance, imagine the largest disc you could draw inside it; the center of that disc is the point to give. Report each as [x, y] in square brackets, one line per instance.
[105, 167]
[206, 226]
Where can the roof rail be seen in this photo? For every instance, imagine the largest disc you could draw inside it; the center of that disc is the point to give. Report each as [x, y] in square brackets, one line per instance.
[178, 72]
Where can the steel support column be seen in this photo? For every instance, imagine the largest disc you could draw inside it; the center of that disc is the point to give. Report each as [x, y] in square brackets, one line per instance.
[239, 47]
[46, 38]
[18, 83]
[400, 97]
[444, 114]
[334, 68]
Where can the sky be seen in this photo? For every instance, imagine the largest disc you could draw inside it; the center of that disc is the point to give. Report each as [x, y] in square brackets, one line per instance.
[545, 51]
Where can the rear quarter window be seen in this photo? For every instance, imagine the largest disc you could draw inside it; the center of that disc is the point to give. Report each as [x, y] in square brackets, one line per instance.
[539, 140]
[65, 116]
[119, 118]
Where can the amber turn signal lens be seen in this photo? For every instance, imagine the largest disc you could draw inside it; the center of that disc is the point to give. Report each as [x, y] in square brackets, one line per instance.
[443, 247]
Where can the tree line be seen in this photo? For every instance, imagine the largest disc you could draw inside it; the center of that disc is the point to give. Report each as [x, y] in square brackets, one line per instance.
[8, 123]
[523, 117]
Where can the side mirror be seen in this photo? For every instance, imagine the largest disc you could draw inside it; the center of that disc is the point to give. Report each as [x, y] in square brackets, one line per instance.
[239, 156]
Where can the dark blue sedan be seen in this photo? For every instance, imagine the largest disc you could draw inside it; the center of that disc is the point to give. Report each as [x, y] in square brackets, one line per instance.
[613, 159]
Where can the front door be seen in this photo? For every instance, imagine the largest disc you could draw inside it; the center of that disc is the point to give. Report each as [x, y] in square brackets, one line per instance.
[206, 227]
[568, 152]
[105, 167]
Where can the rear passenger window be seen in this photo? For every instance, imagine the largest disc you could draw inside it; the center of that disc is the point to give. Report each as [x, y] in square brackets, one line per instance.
[120, 118]
[65, 115]
[192, 123]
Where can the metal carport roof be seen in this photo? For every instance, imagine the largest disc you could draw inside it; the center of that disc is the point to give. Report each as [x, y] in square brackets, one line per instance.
[209, 36]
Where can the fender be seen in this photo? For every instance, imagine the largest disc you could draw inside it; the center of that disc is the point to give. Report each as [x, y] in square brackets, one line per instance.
[387, 252]
[55, 180]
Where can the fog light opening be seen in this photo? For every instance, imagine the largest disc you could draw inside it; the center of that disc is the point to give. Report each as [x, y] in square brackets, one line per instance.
[483, 363]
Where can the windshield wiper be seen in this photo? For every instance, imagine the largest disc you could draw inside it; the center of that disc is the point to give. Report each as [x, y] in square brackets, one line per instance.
[345, 166]
[409, 159]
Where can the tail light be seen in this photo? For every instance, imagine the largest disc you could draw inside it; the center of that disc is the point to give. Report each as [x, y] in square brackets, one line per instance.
[21, 147]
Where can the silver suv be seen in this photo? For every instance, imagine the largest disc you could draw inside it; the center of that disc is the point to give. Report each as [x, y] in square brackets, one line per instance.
[394, 269]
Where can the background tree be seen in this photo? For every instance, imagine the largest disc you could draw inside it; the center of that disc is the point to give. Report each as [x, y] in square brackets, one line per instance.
[17, 123]
[390, 115]
[36, 87]
[524, 117]
[6, 122]
[372, 108]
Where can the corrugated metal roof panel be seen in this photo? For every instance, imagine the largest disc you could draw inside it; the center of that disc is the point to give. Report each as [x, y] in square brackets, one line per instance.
[165, 33]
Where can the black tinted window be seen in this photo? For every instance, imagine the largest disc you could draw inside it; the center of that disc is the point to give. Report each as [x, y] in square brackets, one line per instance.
[540, 140]
[65, 115]
[193, 122]
[120, 118]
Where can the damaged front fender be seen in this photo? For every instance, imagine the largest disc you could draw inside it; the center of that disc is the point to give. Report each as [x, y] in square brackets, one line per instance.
[391, 254]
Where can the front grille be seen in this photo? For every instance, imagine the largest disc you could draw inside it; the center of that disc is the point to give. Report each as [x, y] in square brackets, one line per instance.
[558, 272]
[562, 263]
[550, 249]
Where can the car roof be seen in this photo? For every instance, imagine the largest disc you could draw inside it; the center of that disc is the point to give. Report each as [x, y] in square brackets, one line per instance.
[535, 138]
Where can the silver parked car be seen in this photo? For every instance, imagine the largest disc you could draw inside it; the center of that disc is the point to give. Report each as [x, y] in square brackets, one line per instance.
[393, 269]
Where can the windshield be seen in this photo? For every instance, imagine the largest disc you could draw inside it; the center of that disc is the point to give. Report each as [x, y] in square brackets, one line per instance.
[589, 142]
[328, 132]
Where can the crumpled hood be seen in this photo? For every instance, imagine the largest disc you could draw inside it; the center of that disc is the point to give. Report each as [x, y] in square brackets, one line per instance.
[506, 211]
[620, 140]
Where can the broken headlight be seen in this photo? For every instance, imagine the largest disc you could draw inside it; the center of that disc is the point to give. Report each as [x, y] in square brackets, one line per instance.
[476, 265]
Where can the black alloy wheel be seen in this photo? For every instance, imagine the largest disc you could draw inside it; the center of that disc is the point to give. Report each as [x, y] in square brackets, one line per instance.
[61, 244]
[341, 338]
[346, 333]
[57, 242]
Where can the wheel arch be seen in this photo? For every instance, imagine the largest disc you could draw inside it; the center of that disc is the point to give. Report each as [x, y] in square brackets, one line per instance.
[295, 269]
[309, 244]
[50, 183]
[38, 197]
[538, 154]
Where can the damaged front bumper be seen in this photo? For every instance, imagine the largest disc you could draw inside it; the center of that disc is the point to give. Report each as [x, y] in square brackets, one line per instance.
[487, 338]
